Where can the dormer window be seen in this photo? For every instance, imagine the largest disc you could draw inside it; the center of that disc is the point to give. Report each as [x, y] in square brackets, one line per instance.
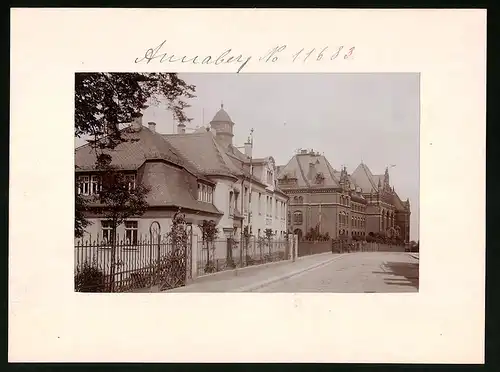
[89, 185]
[130, 179]
[83, 185]
[95, 185]
[205, 193]
[269, 177]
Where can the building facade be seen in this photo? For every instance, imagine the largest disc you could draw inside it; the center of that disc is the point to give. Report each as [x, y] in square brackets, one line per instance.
[147, 158]
[246, 190]
[340, 204]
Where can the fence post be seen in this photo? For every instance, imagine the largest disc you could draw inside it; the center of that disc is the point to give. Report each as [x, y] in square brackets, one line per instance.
[194, 258]
[294, 248]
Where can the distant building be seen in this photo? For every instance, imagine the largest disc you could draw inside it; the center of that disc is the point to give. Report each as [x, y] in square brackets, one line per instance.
[340, 204]
[246, 189]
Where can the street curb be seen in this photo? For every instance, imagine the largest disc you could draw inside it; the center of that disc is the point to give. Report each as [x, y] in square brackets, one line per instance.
[264, 283]
[415, 257]
[236, 271]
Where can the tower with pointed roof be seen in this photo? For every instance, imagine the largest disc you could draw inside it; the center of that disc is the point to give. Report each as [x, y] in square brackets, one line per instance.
[342, 204]
[223, 126]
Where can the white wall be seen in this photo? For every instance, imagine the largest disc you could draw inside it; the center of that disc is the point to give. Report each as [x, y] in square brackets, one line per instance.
[221, 201]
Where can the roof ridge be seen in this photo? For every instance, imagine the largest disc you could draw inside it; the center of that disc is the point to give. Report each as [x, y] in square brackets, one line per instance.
[330, 168]
[369, 177]
[302, 172]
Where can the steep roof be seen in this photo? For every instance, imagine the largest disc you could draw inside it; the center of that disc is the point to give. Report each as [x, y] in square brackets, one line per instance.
[138, 147]
[222, 116]
[364, 178]
[204, 152]
[305, 167]
[169, 188]
[397, 202]
[167, 181]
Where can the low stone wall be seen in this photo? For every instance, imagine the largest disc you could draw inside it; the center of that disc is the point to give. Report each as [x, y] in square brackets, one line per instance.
[390, 248]
[306, 248]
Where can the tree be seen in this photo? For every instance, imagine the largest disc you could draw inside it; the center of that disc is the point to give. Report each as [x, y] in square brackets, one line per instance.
[209, 233]
[247, 234]
[81, 205]
[118, 199]
[103, 101]
[268, 234]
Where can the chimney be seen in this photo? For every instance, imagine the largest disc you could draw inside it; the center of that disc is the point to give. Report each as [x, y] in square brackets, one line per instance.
[152, 126]
[137, 122]
[248, 148]
[181, 128]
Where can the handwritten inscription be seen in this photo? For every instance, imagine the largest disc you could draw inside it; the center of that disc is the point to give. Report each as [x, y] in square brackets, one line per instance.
[273, 55]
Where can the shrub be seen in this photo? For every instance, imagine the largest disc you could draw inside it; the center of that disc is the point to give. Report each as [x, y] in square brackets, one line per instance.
[210, 267]
[89, 278]
[250, 260]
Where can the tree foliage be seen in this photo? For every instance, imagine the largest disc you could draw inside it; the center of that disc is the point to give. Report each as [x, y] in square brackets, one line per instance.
[81, 205]
[315, 235]
[118, 198]
[209, 231]
[105, 100]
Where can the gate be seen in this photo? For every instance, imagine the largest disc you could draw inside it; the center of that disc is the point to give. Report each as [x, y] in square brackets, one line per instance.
[173, 254]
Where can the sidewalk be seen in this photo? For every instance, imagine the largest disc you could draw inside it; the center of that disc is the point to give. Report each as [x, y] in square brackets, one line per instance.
[253, 277]
[414, 255]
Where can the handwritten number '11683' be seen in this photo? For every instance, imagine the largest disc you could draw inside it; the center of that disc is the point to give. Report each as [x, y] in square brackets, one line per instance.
[305, 55]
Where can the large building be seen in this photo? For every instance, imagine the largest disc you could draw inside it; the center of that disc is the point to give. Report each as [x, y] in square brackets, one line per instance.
[341, 204]
[201, 173]
[147, 158]
[246, 187]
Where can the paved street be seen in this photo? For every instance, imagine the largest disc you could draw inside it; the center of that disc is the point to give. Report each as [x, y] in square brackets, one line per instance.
[380, 272]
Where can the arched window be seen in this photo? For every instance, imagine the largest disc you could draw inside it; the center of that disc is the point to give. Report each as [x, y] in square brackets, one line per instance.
[301, 200]
[297, 217]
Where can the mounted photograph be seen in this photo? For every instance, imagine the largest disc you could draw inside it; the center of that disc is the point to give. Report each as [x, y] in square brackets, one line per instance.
[250, 182]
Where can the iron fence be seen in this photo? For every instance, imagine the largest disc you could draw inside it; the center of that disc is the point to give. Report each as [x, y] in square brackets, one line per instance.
[101, 266]
[231, 253]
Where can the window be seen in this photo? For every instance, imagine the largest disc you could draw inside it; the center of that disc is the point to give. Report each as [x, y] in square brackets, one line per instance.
[259, 206]
[297, 218]
[83, 185]
[269, 177]
[276, 210]
[301, 199]
[130, 179]
[131, 232]
[205, 194]
[107, 230]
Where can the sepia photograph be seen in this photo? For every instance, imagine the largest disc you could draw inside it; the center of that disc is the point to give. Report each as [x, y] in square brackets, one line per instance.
[246, 183]
[275, 178]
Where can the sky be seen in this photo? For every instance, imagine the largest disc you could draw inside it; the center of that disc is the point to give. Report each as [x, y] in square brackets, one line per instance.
[369, 117]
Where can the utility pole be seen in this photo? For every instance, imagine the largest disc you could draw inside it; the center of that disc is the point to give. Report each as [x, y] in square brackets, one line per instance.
[251, 175]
